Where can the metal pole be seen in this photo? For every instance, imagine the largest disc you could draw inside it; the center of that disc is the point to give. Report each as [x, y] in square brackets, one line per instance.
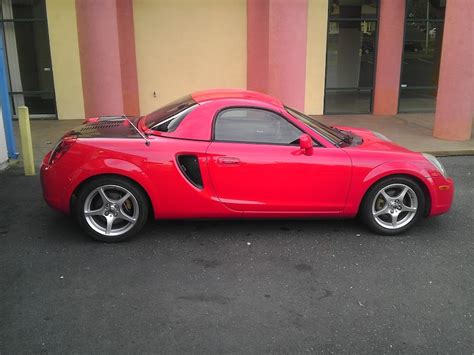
[5, 101]
[26, 143]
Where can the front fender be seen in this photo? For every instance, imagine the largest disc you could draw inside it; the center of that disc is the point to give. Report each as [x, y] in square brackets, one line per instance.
[396, 168]
[364, 180]
[109, 166]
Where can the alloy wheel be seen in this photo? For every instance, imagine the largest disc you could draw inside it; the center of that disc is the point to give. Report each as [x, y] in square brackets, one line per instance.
[394, 206]
[111, 210]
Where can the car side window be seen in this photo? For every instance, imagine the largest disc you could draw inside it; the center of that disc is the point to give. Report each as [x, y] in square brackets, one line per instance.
[170, 124]
[252, 125]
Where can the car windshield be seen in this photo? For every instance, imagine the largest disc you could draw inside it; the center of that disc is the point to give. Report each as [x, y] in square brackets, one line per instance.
[154, 119]
[331, 134]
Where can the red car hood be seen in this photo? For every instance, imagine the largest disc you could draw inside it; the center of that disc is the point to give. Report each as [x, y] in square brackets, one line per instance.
[371, 142]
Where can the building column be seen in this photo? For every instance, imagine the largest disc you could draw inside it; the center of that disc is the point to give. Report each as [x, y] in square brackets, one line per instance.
[389, 56]
[316, 56]
[454, 103]
[107, 53]
[276, 49]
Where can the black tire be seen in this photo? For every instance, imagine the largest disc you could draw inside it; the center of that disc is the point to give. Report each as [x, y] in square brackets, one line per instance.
[370, 206]
[135, 208]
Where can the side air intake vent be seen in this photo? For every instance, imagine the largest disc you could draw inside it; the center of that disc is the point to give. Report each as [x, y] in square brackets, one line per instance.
[189, 166]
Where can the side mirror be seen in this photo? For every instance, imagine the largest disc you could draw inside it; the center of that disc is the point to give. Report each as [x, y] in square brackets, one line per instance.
[306, 144]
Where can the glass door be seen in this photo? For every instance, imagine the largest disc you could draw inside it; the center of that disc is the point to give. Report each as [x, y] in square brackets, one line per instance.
[421, 55]
[25, 33]
[350, 56]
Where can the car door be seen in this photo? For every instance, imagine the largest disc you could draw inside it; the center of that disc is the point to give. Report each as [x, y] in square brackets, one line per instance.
[255, 164]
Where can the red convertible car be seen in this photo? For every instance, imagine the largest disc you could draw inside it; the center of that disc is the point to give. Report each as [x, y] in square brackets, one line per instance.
[236, 154]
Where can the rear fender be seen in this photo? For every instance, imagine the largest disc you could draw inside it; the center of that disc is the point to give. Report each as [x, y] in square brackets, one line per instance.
[113, 166]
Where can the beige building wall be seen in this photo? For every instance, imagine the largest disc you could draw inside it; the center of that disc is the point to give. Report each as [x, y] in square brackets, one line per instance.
[316, 56]
[65, 58]
[188, 45]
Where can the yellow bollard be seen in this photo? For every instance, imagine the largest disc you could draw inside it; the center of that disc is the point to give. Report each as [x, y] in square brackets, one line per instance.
[26, 144]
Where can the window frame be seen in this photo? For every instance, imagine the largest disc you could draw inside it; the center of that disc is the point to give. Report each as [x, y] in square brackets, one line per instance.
[316, 144]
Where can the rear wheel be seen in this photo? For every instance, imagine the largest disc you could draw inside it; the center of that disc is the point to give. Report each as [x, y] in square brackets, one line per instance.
[111, 209]
[393, 205]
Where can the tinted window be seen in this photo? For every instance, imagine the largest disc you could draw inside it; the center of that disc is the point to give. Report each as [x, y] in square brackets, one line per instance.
[254, 126]
[170, 124]
[353, 8]
[172, 109]
[424, 29]
[425, 9]
[351, 48]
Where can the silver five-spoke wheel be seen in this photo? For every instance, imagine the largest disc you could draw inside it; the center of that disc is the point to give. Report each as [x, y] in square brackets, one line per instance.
[111, 210]
[394, 206]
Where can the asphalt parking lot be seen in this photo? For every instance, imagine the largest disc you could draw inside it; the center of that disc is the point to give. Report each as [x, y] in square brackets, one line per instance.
[235, 286]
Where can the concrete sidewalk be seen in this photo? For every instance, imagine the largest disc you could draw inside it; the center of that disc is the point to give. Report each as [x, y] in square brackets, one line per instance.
[45, 134]
[413, 131]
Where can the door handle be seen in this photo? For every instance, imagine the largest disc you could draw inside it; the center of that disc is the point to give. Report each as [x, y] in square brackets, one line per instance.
[228, 161]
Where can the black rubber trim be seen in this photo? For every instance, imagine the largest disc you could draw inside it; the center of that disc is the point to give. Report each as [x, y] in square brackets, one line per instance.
[189, 166]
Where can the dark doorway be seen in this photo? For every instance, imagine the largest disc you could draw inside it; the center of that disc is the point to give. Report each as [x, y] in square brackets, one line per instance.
[421, 55]
[28, 54]
[350, 56]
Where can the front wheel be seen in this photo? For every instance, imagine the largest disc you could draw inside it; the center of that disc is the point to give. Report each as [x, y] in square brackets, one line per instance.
[393, 205]
[111, 209]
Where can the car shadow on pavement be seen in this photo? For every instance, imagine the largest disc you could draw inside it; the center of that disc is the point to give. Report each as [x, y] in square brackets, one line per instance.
[256, 228]
[65, 228]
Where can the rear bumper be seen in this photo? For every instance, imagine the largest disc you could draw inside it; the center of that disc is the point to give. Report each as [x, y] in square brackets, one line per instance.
[54, 186]
[442, 194]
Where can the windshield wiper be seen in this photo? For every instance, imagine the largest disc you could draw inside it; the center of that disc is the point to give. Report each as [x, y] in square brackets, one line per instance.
[347, 138]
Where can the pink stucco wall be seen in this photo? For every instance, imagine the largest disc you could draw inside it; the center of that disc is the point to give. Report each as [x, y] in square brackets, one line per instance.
[389, 56]
[277, 34]
[107, 54]
[257, 45]
[128, 60]
[454, 105]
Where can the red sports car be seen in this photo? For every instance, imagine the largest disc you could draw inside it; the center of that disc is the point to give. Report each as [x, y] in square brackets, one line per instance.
[236, 154]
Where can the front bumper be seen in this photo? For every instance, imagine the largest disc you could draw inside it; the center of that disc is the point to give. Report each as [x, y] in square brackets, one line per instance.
[442, 195]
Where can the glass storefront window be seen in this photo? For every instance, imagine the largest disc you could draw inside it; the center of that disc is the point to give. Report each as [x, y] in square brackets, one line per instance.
[416, 100]
[350, 64]
[425, 9]
[350, 56]
[348, 101]
[26, 39]
[421, 55]
[29, 9]
[353, 9]
[42, 103]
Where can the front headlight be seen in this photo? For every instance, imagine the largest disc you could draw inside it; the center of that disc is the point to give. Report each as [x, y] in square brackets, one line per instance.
[432, 159]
